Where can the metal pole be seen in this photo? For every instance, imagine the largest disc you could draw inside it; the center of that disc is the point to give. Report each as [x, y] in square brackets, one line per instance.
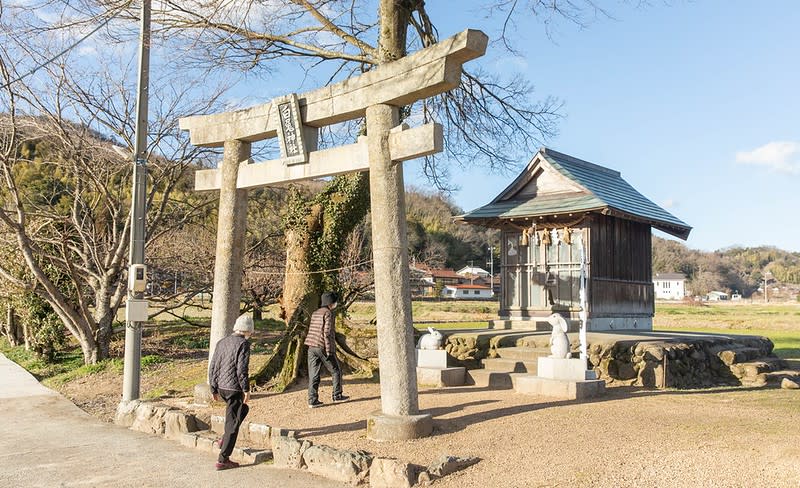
[584, 302]
[491, 270]
[133, 329]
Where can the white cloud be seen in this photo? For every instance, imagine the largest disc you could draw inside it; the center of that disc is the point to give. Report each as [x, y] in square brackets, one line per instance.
[669, 203]
[781, 156]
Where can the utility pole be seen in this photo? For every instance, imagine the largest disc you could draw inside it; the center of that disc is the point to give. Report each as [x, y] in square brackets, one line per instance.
[491, 270]
[136, 307]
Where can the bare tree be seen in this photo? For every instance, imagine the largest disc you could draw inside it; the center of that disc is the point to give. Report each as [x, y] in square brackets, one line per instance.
[66, 193]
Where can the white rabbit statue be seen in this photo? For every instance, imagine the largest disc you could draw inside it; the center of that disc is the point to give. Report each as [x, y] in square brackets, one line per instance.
[559, 342]
[432, 340]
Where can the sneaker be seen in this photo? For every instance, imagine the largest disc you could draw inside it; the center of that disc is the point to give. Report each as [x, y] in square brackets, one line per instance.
[226, 465]
[340, 398]
[315, 404]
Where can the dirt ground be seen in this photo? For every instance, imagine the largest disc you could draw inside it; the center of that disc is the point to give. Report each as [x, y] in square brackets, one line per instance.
[727, 437]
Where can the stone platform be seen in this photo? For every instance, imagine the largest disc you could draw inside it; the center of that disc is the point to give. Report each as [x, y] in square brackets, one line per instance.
[563, 378]
[652, 359]
[432, 369]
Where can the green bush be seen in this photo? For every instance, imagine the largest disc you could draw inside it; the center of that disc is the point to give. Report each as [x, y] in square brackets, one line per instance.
[46, 334]
[152, 359]
[191, 342]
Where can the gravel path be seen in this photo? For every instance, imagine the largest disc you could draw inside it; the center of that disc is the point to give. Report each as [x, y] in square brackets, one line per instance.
[728, 437]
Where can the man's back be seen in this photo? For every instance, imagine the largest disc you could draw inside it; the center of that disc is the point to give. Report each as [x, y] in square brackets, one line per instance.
[230, 365]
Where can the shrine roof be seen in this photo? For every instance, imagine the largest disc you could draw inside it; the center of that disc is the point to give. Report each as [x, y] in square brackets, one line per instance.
[556, 185]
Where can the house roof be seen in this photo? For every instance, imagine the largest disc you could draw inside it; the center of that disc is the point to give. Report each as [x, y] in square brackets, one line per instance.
[669, 276]
[556, 184]
[472, 270]
[444, 273]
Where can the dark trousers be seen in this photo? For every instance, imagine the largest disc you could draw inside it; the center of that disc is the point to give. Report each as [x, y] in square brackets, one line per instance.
[316, 359]
[235, 413]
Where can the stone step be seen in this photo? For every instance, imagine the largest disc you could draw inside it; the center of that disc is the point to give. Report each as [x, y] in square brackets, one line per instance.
[739, 355]
[522, 353]
[754, 372]
[205, 440]
[497, 380]
[775, 377]
[563, 389]
[509, 365]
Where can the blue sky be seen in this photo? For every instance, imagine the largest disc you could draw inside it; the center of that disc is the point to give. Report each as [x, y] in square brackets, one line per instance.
[695, 103]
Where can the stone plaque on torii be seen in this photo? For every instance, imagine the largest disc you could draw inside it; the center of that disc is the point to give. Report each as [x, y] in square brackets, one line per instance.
[295, 120]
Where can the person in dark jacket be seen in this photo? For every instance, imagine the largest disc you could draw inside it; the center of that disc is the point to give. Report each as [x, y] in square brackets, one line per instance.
[322, 350]
[228, 377]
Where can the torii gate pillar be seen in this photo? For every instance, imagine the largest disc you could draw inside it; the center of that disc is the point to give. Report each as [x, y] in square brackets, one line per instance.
[399, 418]
[231, 230]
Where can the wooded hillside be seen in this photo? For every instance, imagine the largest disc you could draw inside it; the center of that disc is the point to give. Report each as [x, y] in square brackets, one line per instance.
[731, 269]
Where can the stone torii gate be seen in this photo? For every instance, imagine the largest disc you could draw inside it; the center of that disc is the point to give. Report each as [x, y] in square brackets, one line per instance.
[295, 120]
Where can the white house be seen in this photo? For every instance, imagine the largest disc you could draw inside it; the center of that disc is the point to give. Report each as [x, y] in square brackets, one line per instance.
[466, 291]
[669, 286]
[715, 296]
[473, 270]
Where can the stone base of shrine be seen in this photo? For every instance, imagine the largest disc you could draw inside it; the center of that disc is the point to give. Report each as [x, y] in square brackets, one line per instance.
[565, 378]
[441, 377]
[561, 389]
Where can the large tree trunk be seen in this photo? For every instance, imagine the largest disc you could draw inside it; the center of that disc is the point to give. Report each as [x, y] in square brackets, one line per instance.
[316, 231]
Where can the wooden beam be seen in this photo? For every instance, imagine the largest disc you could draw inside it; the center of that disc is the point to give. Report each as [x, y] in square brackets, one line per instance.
[425, 73]
[404, 144]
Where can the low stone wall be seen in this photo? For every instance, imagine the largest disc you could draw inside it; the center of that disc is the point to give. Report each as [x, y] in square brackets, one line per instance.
[690, 363]
[153, 418]
[359, 467]
[680, 362]
[353, 467]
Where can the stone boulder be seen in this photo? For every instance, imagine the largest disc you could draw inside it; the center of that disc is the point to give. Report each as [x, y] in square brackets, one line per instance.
[450, 464]
[789, 384]
[288, 451]
[346, 466]
[390, 473]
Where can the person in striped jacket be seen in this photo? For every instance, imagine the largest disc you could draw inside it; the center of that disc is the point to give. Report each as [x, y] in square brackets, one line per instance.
[322, 350]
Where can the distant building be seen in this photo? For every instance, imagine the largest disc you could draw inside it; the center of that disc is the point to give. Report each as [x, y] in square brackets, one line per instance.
[424, 281]
[716, 296]
[669, 286]
[473, 270]
[466, 291]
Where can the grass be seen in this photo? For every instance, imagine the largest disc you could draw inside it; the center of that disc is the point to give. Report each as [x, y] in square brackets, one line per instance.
[65, 361]
[436, 313]
[450, 325]
[778, 322]
[114, 365]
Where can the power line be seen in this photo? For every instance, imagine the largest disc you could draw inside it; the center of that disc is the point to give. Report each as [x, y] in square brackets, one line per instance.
[66, 50]
[352, 266]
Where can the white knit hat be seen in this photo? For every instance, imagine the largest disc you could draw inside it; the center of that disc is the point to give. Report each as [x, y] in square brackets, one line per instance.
[243, 324]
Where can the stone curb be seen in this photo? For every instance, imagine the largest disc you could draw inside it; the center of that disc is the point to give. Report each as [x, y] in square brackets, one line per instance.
[358, 468]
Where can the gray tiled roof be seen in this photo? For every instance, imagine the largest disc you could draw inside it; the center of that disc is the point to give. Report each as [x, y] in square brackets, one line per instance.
[669, 276]
[605, 191]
